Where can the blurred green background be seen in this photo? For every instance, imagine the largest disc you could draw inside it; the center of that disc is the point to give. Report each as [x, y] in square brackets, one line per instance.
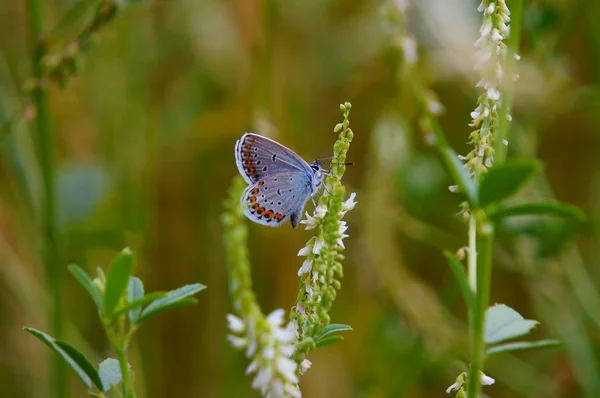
[143, 140]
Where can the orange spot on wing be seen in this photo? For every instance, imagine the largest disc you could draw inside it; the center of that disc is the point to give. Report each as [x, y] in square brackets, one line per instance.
[260, 184]
[268, 214]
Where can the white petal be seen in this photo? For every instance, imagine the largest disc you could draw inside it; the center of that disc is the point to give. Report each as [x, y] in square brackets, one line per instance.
[275, 318]
[236, 325]
[493, 94]
[304, 366]
[293, 391]
[318, 246]
[252, 367]
[287, 368]
[310, 222]
[454, 387]
[350, 202]
[485, 380]
[306, 267]
[320, 211]
[304, 251]
[237, 342]
[496, 36]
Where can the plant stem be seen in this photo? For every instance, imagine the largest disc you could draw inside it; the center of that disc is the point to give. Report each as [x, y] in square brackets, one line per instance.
[472, 259]
[485, 240]
[45, 156]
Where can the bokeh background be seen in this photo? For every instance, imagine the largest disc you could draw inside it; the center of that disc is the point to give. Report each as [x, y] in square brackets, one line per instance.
[143, 139]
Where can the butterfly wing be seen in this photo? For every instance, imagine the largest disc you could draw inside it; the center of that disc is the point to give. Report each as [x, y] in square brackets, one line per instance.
[258, 157]
[277, 198]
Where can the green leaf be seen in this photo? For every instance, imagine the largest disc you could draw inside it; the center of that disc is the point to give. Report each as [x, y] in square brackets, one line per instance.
[523, 345]
[558, 209]
[503, 323]
[503, 181]
[458, 270]
[460, 175]
[135, 306]
[174, 298]
[119, 273]
[74, 358]
[82, 361]
[110, 373]
[329, 340]
[333, 328]
[155, 311]
[135, 291]
[85, 281]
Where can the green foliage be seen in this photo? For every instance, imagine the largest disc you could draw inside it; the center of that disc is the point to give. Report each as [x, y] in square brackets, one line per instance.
[504, 323]
[173, 299]
[328, 336]
[72, 357]
[523, 346]
[557, 209]
[458, 270]
[118, 277]
[118, 298]
[503, 181]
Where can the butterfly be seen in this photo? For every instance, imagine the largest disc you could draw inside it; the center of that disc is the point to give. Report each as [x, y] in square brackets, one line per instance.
[280, 181]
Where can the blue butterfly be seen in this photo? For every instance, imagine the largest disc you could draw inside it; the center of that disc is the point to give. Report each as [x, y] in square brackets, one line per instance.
[280, 181]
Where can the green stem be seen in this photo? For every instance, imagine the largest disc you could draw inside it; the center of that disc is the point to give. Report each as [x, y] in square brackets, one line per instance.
[45, 156]
[485, 240]
[472, 259]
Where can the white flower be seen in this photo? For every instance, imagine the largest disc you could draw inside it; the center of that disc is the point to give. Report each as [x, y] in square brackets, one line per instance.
[493, 94]
[504, 28]
[350, 202]
[453, 188]
[496, 36]
[505, 142]
[269, 348]
[236, 325]
[275, 318]
[454, 387]
[342, 227]
[304, 251]
[304, 366]
[320, 211]
[486, 27]
[490, 9]
[306, 267]
[310, 222]
[485, 380]
[237, 342]
[318, 246]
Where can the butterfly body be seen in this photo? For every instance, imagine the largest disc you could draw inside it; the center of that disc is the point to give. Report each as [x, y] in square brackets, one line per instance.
[280, 181]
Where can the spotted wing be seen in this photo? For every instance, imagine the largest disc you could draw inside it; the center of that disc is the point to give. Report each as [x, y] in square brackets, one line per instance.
[258, 157]
[277, 198]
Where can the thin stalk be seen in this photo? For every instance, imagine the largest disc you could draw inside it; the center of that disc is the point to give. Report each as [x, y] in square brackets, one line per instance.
[485, 240]
[45, 155]
[472, 258]
[481, 232]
